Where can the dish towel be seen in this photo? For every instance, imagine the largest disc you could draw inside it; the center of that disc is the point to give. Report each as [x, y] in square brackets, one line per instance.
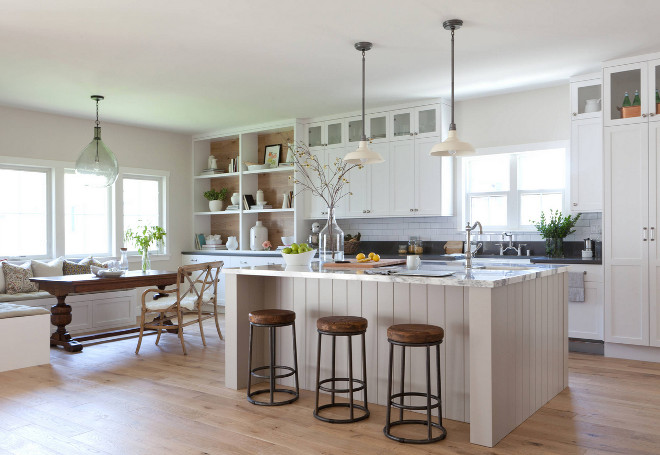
[576, 286]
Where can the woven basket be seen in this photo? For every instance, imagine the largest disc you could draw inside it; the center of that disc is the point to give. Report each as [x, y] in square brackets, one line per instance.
[351, 247]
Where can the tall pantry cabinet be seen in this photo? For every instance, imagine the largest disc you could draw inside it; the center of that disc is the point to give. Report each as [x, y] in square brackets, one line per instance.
[632, 204]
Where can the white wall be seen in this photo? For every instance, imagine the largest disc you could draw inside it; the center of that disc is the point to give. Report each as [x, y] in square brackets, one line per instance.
[29, 134]
[527, 117]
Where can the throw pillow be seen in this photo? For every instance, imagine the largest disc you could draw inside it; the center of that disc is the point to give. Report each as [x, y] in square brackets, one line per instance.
[17, 278]
[80, 268]
[52, 268]
[2, 278]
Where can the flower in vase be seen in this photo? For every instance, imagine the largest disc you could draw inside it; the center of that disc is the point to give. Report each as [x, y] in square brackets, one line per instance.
[267, 245]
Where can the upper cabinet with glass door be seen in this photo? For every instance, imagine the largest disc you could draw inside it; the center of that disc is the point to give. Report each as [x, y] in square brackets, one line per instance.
[586, 97]
[376, 128]
[419, 122]
[641, 82]
[330, 134]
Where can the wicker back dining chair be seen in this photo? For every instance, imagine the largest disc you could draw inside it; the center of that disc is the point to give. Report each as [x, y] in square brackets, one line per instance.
[197, 285]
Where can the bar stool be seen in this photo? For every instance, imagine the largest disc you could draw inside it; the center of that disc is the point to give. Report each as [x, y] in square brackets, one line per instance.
[342, 326]
[272, 319]
[412, 336]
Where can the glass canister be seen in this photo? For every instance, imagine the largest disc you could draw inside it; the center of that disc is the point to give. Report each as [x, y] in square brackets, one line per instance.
[331, 240]
[411, 245]
[123, 262]
[403, 248]
[419, 246]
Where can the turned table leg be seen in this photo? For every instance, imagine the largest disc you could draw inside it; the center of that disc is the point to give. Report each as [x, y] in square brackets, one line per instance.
[60, 316]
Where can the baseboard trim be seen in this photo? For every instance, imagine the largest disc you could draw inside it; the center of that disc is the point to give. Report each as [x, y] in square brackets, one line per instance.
[586, 346]
[632, 352]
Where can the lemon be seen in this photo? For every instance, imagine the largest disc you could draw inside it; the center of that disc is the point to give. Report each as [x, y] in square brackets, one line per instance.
[360, 256]
[375, 258]
[371, 255]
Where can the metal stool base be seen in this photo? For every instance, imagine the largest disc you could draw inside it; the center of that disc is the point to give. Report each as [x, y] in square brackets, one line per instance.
[274, 403]
[341, 405]
[416, 441]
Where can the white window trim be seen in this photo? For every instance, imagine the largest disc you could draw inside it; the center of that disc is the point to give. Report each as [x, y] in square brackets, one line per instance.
[56, 234]
[50, 209]
[164, 188]
[513, 195]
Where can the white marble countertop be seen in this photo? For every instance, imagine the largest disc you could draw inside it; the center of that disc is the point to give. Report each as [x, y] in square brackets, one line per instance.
[490, 275]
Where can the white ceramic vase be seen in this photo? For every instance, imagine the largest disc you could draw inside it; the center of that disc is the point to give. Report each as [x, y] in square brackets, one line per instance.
[258, 235]
[235, 198]
[215, 206]
[260, 197]
[232, 243]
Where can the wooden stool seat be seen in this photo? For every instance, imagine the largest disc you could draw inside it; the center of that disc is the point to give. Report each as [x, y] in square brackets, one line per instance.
[272, 317]
[341, 324]
[415, 333]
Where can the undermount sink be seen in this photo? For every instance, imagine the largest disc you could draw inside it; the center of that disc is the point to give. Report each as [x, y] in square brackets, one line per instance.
[507, 267]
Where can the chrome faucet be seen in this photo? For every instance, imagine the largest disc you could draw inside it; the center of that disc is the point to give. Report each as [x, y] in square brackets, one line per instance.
[468, 253]
[503, 250]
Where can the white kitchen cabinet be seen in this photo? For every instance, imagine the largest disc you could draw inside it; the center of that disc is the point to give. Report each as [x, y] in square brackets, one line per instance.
[583, 88]
[402, 178]
[419, 122]
[654, 242]
[626, 233]
[378, 127]
[587, 165]
[328, 134]
[369, 188]
[314, 206]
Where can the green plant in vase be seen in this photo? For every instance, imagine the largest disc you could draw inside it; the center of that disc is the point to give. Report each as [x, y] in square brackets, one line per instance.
[555, 230]
[216, 198]
[144, 237]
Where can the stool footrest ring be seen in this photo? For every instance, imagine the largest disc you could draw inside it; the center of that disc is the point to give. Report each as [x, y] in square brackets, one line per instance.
[411, 407]
[440, 437]
[277, 376]
[335, 390]
[275, 403]
[342, 405]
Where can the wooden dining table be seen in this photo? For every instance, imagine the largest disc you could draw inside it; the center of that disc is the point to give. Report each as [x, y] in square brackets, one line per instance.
[62, 286]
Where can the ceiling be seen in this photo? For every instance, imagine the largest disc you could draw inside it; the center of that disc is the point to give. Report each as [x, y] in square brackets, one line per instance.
[200, 65]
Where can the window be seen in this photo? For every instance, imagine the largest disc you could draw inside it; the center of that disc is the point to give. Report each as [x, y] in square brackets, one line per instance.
[508, 190]
[143, 203]
[87, 218]
[25, 211]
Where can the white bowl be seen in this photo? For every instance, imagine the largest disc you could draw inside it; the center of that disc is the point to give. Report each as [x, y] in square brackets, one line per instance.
[288, 240]
[103, 272]
[299, 259]
[258, 167]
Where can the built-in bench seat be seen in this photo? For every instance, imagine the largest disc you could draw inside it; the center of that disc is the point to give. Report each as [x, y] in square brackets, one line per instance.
[9, 298]
[25, 334]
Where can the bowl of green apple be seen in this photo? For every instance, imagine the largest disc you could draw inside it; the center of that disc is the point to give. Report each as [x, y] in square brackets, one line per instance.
[298, 254]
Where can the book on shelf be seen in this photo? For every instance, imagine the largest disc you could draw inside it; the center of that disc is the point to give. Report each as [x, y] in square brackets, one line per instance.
[261, 207]
[214, 247]
[200, 241]
[233, 165]
[212, 171]
[286, 164]
[232, 207]
[248, 201]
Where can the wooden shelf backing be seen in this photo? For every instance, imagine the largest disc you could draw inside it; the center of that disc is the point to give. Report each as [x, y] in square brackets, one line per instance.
[279, 224]
[274, 138]
[224, 151]
[226, 226]
[274, 186]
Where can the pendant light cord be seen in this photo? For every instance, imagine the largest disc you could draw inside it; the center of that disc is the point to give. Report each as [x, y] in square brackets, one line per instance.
[96, 131]
[452, 125]
[364, 136]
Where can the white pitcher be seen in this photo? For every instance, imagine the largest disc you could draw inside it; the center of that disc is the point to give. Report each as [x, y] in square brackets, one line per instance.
[592, 105]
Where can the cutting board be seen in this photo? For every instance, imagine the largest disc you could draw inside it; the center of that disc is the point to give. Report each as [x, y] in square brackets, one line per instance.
[354, 264]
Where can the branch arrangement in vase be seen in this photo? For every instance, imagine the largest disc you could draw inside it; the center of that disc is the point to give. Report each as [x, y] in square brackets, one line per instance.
[558, 226]
[143, 237]
[326, 181]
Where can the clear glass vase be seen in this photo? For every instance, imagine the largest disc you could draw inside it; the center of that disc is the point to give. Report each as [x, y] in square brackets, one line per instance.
[146, 261]
[331, 240]
[554, 247]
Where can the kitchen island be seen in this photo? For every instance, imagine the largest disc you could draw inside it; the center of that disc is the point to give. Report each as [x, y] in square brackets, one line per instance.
[506, 343]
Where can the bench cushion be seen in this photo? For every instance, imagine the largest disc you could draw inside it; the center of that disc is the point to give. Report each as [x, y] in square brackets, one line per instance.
[189, 302]
[11, 310]
[24, 296]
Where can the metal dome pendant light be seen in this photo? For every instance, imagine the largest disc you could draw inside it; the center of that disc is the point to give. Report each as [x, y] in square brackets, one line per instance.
[363, 154]
[452, 146]
[96, 163]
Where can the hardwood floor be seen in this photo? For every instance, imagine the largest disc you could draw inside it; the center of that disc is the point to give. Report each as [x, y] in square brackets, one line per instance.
[107, 400]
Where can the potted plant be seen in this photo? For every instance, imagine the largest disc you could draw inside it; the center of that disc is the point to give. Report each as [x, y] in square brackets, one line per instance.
[555, 230]
[216, 198]
[143, 237]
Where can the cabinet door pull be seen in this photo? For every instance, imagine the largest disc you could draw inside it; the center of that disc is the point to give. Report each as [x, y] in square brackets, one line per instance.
[411, 134]
[651, 114]
[644, 115]
[411, 210]
[415, 133]
[644, 234]
[574, 204]
[652, 234]
[574, 114]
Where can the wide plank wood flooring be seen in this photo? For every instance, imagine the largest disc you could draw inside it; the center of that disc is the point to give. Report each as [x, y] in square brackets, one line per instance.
[107, 400]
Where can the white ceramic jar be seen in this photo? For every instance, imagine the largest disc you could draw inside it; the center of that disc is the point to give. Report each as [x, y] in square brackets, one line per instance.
[232, 243]
[258, 235]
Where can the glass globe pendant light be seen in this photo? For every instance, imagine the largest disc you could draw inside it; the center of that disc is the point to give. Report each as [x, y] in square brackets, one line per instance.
[452, 146]
[96, 163]
[363, 154]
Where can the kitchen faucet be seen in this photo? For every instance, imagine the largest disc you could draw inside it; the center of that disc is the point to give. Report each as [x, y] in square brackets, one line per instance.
[503, 250]
[468, 253]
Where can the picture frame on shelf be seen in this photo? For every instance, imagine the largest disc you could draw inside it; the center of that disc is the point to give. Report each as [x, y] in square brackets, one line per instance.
[272, 156]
